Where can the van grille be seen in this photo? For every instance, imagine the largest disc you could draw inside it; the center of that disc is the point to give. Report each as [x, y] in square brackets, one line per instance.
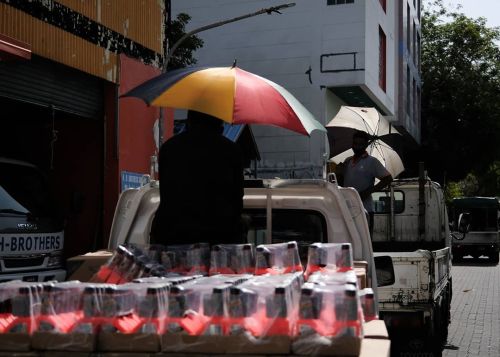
[22, 262]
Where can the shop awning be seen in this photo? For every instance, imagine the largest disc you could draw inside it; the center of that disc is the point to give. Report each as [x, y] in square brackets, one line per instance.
[11, 49]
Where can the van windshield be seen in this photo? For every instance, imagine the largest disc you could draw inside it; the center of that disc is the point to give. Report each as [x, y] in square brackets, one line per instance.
[23, 190]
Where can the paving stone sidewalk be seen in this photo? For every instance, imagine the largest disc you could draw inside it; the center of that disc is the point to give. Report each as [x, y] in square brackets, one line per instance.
[475, 310]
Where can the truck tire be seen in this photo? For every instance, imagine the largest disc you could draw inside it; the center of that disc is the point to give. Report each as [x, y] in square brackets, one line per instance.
[440, 328]
[494, 258]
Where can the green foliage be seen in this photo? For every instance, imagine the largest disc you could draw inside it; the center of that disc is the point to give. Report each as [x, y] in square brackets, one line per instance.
[487, 185]
[452, 191]
[460, 93]
[183, 55]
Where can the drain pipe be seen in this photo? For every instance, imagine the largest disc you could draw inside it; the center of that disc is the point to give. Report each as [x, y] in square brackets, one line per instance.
[421, 201]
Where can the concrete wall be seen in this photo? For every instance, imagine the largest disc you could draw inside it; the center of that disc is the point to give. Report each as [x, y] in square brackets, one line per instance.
[283, 47]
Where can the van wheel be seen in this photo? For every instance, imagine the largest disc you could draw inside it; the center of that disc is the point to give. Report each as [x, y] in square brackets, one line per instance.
[494, 258]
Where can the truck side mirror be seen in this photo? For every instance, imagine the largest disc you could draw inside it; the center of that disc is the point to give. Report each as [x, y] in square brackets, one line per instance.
[464, 222]
[385, 270]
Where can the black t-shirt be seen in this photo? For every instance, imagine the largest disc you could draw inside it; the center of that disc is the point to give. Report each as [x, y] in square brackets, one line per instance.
[201, 189]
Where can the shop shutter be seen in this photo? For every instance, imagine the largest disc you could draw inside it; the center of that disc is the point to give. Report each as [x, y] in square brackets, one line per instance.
[43, 82]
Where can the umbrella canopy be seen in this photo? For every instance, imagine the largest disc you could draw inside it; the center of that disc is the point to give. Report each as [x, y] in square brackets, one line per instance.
[228, 93]
[383, 152]
[349, 119]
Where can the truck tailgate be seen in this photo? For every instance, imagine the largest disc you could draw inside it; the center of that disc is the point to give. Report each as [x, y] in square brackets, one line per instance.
[419, 276]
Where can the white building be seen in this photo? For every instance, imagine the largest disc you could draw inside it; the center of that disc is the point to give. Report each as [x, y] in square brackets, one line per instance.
[325, 52]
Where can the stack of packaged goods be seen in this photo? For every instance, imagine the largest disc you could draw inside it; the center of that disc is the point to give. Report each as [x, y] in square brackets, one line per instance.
[275, 259]
[232, 259]
[159, 298]
[134, 262]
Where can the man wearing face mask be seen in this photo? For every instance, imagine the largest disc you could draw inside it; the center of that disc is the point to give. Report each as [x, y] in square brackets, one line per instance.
[361, 170]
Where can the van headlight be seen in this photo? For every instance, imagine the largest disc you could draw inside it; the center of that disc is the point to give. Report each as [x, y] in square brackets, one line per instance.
[55, 260]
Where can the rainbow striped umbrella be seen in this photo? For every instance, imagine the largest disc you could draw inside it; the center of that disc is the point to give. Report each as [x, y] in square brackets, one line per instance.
[228, 93]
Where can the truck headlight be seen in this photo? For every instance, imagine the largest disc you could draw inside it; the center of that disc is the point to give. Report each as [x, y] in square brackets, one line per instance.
[55, 260]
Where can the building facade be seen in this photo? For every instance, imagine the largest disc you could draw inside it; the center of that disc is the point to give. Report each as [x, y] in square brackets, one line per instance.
[327, 53]
[63, 66]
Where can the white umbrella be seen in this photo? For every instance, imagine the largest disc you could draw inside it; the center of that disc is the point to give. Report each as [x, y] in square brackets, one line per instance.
[351, 119]
[383, 152]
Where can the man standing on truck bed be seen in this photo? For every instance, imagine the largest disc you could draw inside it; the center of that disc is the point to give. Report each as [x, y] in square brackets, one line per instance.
[361, 170]
[201, 186]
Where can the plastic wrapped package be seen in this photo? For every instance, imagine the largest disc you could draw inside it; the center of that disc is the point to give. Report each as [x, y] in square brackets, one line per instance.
[367, 298]
[172, 280]
[265, 306]
[198, 307]
[331, 310]
[150, 310]
[20, 304]
[328, 258]
[186, 259]
[330, 320]
[335, 278]
[232, 259]
[118, 263]
[20, 307]
[280, 258]
[60, 307]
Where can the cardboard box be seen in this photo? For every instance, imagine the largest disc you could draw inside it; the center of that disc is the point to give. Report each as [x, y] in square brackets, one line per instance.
[360, 268]
[178, 342]
[126, 354]
[240, 344]
[247, 344]
[361, 275]
[15, 342]
[83, 267]
[134, 342]
[65, 354]
[77, 342]
[372, 347]
[316, 345]
[376, 329]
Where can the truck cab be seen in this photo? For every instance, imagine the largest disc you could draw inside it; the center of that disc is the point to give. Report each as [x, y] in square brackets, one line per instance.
[31, 228]
[475, 227]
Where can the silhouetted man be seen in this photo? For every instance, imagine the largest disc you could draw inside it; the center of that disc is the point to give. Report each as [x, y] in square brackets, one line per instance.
[361, 170]
[201, 186]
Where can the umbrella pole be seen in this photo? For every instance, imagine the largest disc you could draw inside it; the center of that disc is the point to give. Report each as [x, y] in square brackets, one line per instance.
[269, 216]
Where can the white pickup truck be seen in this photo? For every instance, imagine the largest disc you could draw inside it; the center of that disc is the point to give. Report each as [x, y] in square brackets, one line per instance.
[306, 211]
[411, 226]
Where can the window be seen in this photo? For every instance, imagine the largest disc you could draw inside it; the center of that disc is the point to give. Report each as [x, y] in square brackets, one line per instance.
[482, 219]
[414, 43]
[303, 226]
[339, 2]
[408, 29]
[414, 98]
[382, 59]
[382, 202]
[383, 3]
[408, 83]
[418, 52]
[419, 98]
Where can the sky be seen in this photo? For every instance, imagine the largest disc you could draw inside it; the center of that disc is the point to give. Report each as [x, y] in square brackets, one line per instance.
[490, 9]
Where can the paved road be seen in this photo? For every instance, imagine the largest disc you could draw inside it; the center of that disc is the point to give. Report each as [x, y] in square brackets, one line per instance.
[475, 310]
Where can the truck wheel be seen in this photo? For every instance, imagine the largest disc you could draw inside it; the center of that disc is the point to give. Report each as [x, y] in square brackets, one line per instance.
[494, 258]
[440, 330]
